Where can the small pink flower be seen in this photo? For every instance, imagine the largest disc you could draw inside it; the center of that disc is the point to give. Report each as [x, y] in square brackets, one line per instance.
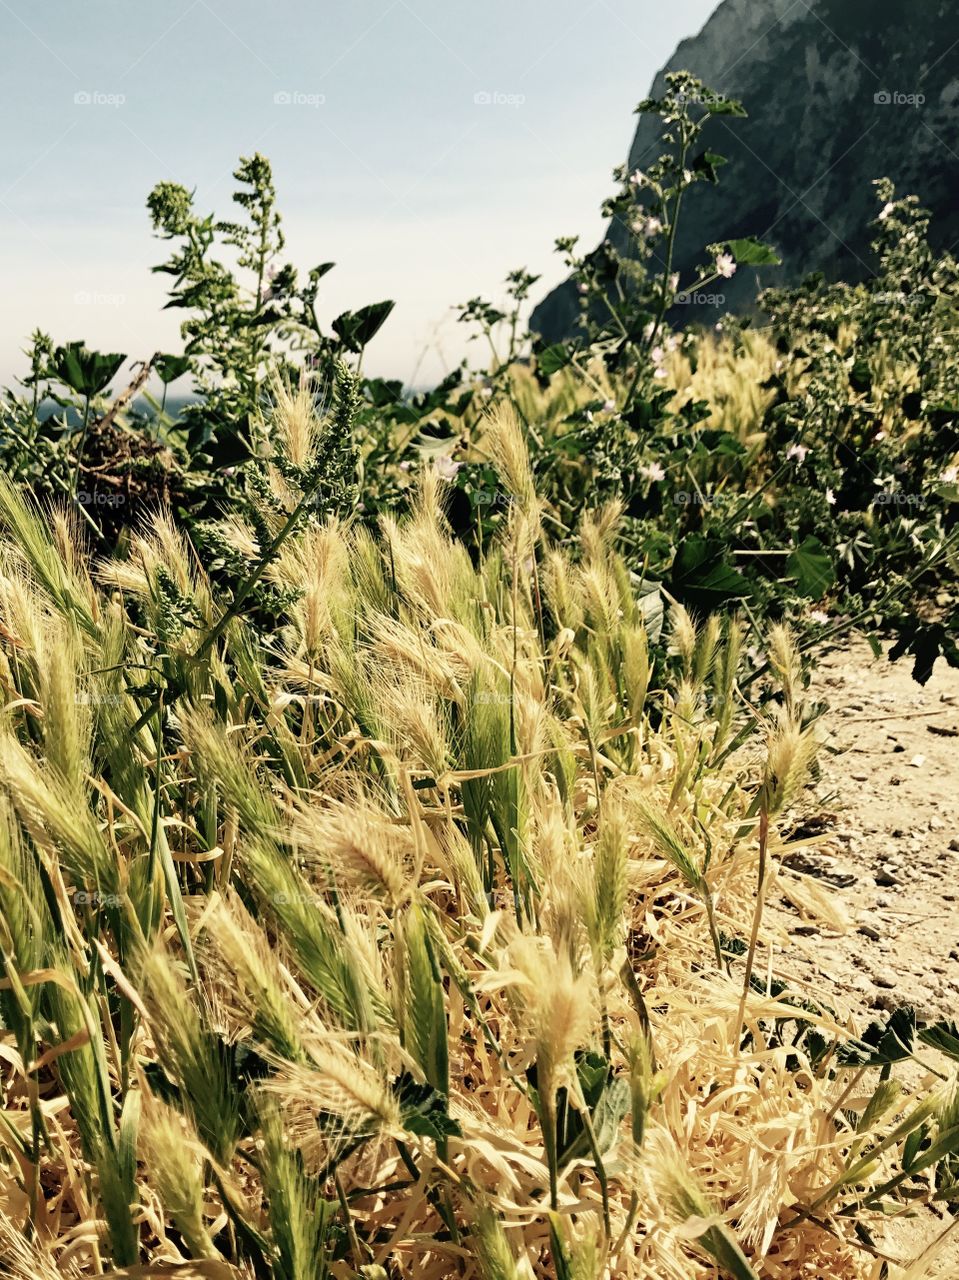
[726, 266]
[653, 472]
[446, 468]
[830, 497]
[609, 406]
[637, 178]
[797, 451]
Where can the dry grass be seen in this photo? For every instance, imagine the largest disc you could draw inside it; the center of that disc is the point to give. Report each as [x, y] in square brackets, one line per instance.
[399, 946]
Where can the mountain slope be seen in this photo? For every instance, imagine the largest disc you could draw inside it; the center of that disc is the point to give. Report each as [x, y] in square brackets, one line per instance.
[827, 85]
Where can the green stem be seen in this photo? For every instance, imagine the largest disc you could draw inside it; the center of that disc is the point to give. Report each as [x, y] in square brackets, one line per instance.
[83, 442]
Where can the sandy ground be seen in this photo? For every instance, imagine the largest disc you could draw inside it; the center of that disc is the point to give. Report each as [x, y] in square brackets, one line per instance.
[885, 814]
[887, 807]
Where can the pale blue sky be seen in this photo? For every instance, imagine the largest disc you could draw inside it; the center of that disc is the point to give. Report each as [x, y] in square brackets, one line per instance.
[384, 161]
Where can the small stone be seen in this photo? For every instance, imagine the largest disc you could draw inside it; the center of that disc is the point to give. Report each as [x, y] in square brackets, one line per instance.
[954, 846]
[885, 1001]
[885, 978]
[886, 878]
[870, 931]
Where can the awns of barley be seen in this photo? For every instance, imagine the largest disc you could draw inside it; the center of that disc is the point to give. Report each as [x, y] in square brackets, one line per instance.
[404, 936]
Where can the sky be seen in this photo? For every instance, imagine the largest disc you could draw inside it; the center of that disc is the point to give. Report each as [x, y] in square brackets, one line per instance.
[427, 147]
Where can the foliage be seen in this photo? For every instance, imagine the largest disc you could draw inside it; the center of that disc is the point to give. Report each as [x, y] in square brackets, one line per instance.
[241, 329]
[405, 930]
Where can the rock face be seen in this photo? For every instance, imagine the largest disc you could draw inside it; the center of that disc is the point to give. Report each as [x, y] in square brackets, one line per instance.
[839, 92]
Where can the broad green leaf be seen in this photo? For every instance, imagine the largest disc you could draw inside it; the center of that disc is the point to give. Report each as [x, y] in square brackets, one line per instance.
[702, 575]
[753, 253]
[171, 367]
[553, 358]
[812, 568]
[356, 328]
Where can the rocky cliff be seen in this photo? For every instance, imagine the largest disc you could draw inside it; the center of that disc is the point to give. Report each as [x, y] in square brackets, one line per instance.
[839, 92]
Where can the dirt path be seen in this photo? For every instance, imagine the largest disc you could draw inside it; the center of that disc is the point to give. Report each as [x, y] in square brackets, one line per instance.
[887, 807]
[889, 854]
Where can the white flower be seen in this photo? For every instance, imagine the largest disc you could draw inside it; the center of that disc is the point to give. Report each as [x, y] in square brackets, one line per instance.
[609, 406]
[445, 467]
[886, 211]
[657, 355]
[637, 178]
[830, 497]
[950, 475]
[726, 266]
[583, 287]
[818, 615]
[797, 451]
[653, 472]
[647, 227]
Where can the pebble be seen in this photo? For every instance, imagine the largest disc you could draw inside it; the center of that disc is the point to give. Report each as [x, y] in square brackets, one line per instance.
[870, 931]
[885, 978]
[886, 878]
